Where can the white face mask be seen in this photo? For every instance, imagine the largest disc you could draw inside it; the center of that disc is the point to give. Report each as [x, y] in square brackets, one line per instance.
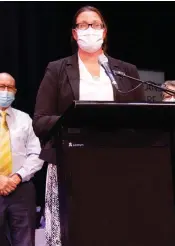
[172, 99]
[90, 40]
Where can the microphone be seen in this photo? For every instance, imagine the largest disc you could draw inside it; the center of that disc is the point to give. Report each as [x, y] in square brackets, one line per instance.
[103, 61]
[153, 84]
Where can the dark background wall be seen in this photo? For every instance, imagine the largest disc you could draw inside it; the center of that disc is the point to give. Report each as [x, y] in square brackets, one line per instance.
[34, 33]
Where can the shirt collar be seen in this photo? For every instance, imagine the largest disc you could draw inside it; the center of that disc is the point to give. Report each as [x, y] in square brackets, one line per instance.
[8, 110]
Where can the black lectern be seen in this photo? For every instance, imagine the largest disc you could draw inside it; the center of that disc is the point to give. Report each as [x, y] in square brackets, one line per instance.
[115, 164]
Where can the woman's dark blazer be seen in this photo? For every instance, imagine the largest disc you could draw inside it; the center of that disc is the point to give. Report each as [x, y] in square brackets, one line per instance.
[60, 86]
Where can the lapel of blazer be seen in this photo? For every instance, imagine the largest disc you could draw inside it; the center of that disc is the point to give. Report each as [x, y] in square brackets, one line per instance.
[72, 71]
[117, 65]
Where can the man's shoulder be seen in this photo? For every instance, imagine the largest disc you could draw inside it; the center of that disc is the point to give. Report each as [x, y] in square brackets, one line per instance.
[21, 114]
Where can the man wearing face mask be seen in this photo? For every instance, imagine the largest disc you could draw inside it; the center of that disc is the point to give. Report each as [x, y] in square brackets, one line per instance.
[170, 84]
[19, 161]
[78, 77]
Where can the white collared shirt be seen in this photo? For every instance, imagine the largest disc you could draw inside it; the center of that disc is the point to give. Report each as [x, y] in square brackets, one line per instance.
[94, 88]
[25, 145]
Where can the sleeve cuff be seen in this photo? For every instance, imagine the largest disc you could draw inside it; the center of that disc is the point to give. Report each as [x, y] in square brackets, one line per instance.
[22, 174]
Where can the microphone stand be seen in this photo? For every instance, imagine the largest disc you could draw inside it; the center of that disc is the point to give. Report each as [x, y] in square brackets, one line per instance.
[153, 84]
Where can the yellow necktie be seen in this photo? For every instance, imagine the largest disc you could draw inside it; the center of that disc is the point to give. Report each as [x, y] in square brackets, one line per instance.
[5, 147]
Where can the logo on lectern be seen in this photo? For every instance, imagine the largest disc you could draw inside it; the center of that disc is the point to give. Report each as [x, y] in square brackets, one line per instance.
[70, 144]
[75, 144]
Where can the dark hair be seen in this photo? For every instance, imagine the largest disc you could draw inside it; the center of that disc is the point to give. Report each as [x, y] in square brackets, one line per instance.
[81, 10]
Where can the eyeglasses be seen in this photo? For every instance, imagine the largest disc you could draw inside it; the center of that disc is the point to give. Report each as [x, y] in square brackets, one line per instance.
[9, 88]
[84, 26]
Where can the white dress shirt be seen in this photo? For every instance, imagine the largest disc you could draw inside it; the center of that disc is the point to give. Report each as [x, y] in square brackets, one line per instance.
[25, 146]
[94, 88]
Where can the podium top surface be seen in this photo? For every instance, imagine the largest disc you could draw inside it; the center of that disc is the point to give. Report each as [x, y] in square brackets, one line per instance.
[78, 104]
[91, 113]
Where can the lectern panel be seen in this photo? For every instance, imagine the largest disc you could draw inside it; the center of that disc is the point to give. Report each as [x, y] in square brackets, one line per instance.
[119, 188]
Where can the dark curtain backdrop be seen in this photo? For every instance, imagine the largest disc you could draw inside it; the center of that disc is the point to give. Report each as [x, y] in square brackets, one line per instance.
[34, 33]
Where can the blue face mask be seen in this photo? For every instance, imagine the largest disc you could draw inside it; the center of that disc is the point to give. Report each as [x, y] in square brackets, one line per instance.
[6, 98]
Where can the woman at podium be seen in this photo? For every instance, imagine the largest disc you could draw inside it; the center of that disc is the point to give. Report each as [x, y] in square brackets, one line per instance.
[78, 77]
